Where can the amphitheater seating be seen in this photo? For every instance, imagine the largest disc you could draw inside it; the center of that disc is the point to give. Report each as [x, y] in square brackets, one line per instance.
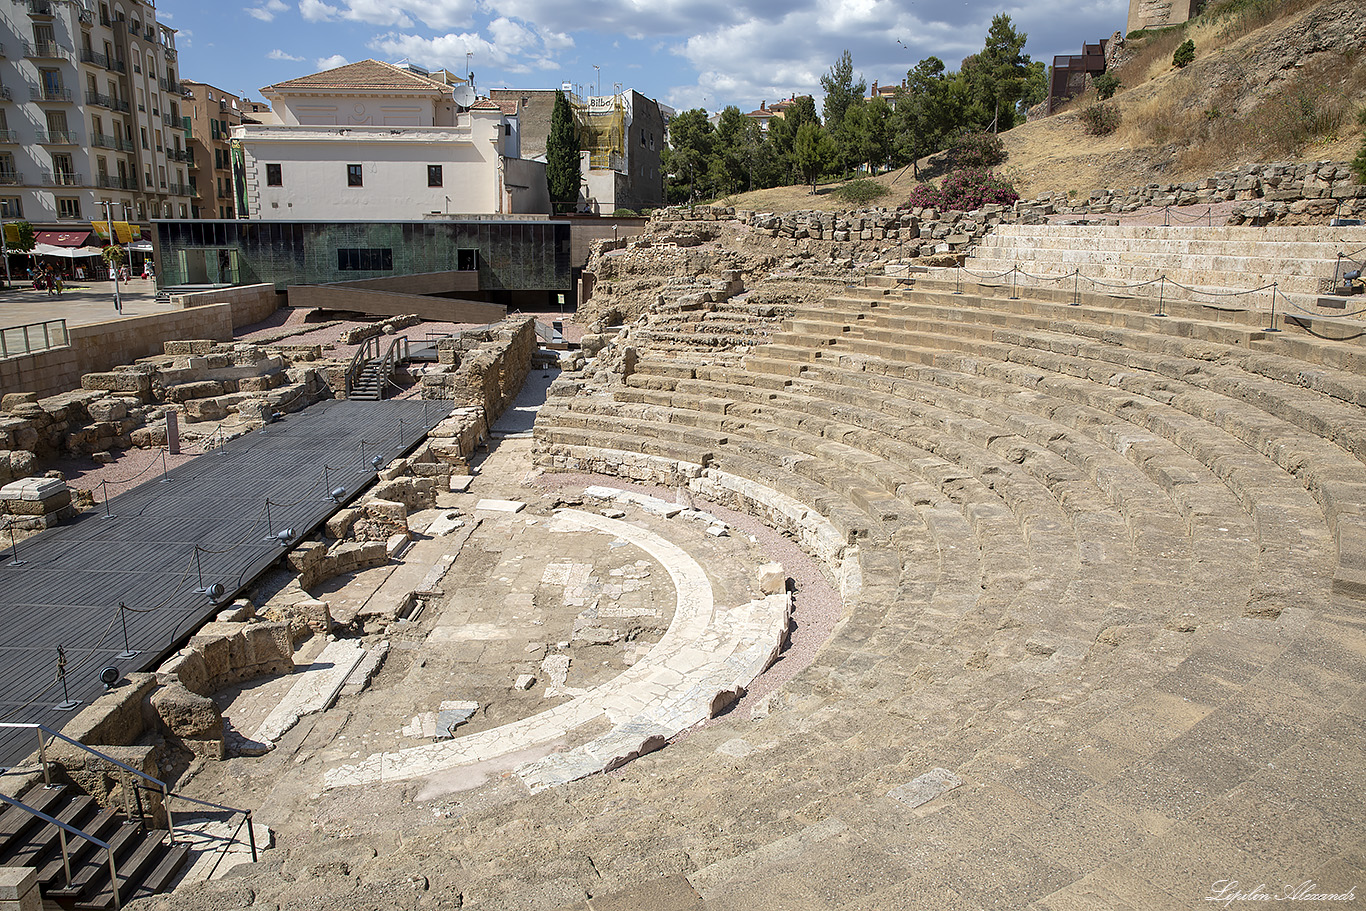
[1105, 566]
[1213, 258]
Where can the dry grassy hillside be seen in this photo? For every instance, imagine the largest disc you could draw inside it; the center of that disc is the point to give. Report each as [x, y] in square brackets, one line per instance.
[1274, 82]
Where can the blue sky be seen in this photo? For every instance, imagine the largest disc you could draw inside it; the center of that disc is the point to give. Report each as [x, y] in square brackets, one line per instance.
[686, 53]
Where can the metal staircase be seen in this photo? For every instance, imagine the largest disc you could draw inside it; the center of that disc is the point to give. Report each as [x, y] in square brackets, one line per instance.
[368, 374]
[91, 857]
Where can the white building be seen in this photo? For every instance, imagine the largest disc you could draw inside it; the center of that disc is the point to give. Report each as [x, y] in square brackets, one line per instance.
[89, 112]
[370, 140]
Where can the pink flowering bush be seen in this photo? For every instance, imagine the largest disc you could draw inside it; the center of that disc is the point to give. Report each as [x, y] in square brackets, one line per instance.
[964, 190]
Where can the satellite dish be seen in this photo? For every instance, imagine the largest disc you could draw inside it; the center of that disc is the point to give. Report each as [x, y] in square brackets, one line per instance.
[464, 95]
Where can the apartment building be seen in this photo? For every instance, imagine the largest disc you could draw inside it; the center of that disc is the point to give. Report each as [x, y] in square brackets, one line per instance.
[90, 111]
[211, 113]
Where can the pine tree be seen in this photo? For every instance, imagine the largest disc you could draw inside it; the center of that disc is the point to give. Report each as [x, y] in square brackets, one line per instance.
[562, 156]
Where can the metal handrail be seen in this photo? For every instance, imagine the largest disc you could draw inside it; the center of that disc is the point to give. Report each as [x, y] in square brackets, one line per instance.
[358, 360]
[29, 346]
[166, 793]
[62, 830]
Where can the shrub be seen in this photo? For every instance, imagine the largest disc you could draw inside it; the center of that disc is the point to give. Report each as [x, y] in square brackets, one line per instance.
[623, 213]
[964, 190]
[1106, 85]
[1184, 54]
[1100, 119]
[861, 192]
[977, 150]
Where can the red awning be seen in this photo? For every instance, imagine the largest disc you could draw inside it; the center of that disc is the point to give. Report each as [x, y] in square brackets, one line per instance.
[63, 238]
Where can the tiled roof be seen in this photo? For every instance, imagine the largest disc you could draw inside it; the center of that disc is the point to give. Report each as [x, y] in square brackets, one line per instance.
[365, 76]
[483, 104]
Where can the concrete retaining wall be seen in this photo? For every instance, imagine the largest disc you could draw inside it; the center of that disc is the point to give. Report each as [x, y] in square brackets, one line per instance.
[100, 347]
[250, 303]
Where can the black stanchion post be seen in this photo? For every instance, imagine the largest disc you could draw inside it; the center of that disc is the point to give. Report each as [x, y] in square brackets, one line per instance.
[104, 487]
[1166, 216]
[165, 476]
[128, 652]
[1161, 297]
[13, 541]
[1076, 291]
[1271, 326]
[67, 703]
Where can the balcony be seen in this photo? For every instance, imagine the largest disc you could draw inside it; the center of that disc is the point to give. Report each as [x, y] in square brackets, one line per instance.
[174, 87]
[86, 17]
[40, 9]
[103, 60]
[170, 53]
[48, 93]
[11, 179]
[5, 93]
[9, 136]
[45, 50]
[180, 189]
[62, 179]
[116, 183]
[99, 99]
[105, 141]
[180, 155]
[56, 138]
[172, 122]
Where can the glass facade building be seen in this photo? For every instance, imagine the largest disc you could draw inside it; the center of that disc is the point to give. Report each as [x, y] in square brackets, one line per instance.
[509, 254]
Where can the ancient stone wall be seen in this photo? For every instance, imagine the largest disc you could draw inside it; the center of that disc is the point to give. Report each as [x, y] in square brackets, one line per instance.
[484, 368]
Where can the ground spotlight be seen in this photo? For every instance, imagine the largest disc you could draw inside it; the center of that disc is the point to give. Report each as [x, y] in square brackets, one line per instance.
[284, 535]
[336, 495]
[109, 676]
[215, 591]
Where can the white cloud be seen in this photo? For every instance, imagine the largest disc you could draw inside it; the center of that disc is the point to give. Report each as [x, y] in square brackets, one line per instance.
[317, 11]
[400, 14]
[331, 63]
[278, 54]
[513, 47]
[268, 10]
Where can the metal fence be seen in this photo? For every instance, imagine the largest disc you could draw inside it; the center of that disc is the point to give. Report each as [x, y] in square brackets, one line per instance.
[17, 340]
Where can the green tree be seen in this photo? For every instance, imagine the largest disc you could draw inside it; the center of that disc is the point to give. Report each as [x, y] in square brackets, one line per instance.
[864, 135]
[562, 156]
[997, 76]
[1106, 85]
[687, 161]
[927, 111]
[815, 153]
[20, 237]
[731, 159]
[113, 255]
[840, 91]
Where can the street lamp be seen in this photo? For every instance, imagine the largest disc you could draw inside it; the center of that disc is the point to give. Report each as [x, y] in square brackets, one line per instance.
[597, 69]
[113, 239]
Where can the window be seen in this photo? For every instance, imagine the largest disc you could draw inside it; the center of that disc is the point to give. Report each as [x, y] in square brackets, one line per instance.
[273, 176]
[361, 260]
[353, 176]
[433, 175]
[68, 207]
[10, 207]
[144, 137]
[466, 260]
[183, 210]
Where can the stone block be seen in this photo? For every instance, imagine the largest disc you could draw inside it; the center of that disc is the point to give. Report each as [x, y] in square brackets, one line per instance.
[16, 882]
[34, 489]
[12, 400]
[193, 346]
[772, 579]
[190, 719]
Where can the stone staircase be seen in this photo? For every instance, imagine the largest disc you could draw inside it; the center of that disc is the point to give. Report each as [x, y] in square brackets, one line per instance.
[1105, 568]
[1215, 259]
[145, 862]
